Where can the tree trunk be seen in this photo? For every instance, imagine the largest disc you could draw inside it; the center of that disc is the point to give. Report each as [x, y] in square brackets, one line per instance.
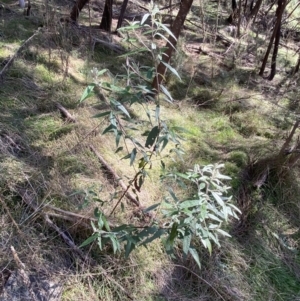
[185, 6]
[275, 52]
[78, 6]
[279, 13]
[239, 16]
[254, 10]
[121, 17]
[232, 17]
[107, 16]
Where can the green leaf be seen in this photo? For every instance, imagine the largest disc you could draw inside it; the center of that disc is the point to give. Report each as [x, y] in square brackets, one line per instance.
[151, 208]
[164, 141]
[101, 72]
[189, 203]
[145, 17]
[110, 128]
[130, 246]
[156, 235]
[207, 244]
[118, 136]
[165, 28]
[166, 92]
[120, 107]
[223, 232]
[132, 156]
[112, 119]
[119, 149]
[152, 136]
[173, 195]
[133, 25]
[182, 175]
[157, 34]
[88, 92]
[115, 243]
[186, 242]
[213, 217]
[101, 114]
[218, 198]
[105, 223]
[174, 71]
[89, 240]
[173, 233]
[195, 255]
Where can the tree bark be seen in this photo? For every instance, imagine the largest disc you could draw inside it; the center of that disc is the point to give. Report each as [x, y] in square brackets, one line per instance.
[232, 17]
[185, 6]
[78, 6]
[107, 16]
[121, 17]
[279, 13]
[254, 10]
[275, 51]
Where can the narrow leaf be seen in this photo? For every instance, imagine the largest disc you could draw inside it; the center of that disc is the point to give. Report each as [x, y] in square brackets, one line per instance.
[120, 107]
[132, 156]
[89, 240]
[166, 92]
[151, 208]
[186, 242]
[223, 232]
[171, 69]
[195, 255]
[88, 92]
[145, 17]
[101, 114]
[167, 30]
[156, 235]
[152, 136]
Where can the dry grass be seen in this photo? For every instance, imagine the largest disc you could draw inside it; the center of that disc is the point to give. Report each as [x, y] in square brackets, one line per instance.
[231, 114]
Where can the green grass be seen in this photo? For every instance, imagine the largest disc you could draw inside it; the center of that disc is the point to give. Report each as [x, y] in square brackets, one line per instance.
[231, 115]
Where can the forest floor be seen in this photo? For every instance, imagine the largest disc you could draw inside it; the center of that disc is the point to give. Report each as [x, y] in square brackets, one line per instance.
[48, 171]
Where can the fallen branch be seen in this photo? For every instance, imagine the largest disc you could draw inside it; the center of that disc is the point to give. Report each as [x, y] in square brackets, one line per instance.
[29, 200]
[116, 48]
[11, 60]
[24, 276]
[65, 113]
[128, 194]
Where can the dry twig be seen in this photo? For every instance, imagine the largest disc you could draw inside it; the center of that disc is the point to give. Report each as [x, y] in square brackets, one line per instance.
[65, 113]
[128, 194]
[11, 60]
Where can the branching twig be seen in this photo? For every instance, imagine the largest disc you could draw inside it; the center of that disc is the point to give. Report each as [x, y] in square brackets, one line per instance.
[11, 60]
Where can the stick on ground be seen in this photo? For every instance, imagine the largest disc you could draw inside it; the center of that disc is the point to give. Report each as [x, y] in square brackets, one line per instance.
[128, 194]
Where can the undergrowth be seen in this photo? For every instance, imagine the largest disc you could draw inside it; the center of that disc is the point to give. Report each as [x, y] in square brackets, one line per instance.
[232, 116]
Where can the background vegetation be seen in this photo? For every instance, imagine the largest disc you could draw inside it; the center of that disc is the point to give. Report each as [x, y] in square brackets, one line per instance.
[48, 170]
